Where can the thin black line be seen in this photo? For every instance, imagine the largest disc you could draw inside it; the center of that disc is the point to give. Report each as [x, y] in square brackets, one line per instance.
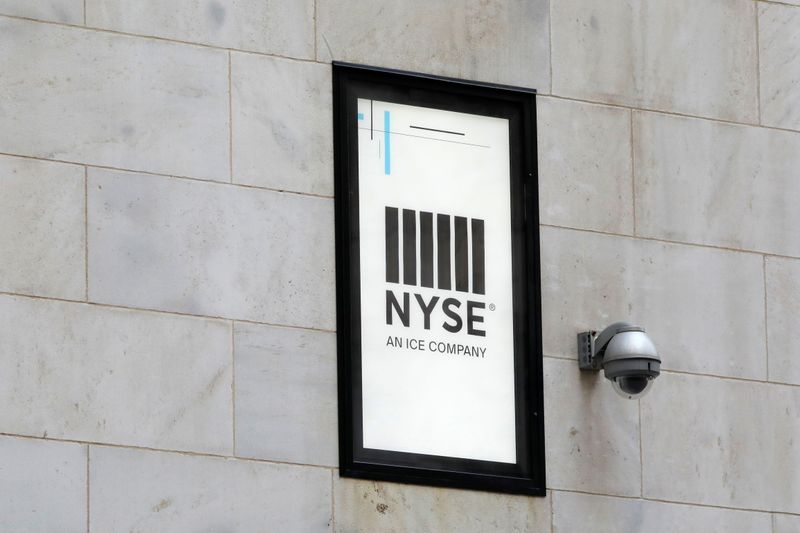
[370, 120]
[432, 138]
[440, 131]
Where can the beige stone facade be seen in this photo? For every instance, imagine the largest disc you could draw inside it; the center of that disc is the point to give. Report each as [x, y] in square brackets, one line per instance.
[167, 298]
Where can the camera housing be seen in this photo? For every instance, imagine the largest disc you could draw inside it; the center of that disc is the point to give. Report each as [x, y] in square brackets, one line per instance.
[626, 355]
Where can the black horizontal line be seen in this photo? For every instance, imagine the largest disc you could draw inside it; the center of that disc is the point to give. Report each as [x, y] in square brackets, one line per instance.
[433, 129]
[429, 138]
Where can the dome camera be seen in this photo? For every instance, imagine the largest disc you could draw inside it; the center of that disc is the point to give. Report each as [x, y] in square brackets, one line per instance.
[625, 353]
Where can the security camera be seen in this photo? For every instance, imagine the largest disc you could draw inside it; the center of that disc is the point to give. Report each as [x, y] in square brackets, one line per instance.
[625, 353]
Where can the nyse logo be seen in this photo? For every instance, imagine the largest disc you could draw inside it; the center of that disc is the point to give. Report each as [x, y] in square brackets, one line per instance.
[455, 237]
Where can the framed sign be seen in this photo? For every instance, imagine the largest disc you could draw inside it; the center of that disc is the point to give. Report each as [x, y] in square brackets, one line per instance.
[438, 291]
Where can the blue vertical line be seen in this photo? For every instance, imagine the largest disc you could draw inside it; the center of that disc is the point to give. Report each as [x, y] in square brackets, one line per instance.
[387, 166]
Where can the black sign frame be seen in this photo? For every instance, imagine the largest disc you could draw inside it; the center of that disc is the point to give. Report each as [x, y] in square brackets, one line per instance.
[518, 105]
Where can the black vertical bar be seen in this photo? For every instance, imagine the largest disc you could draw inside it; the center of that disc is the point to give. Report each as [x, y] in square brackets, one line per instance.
[426, 249]
[392, 247]
[409, 247]
[443, 250]
[478, 258]
[462, 255]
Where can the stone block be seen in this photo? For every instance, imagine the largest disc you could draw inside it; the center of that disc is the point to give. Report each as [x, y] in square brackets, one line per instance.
[286, 394]
[371, 507]
[779, 61]
[784, 523]
[585, 177]
[111, 100]
[282, 124]
[783, 310]
[592, 434]
[42, 228]
[500, 41]
[42, 486]
[703, 308]
[84, 372]
[696, 58]
[722, 442]
[283, 28]
[138, 490]
[210, 249]
[719, 184]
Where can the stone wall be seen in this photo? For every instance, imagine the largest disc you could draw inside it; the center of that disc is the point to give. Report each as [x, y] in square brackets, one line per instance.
[167, 345]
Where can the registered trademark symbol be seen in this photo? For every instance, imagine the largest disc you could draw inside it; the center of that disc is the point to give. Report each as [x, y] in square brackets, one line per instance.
[491, 307]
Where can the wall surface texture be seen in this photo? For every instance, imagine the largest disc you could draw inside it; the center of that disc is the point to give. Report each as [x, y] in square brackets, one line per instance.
[167, 299]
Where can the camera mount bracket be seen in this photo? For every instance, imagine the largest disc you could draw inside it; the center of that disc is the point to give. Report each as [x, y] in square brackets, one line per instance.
[586, 354]
[592, 347]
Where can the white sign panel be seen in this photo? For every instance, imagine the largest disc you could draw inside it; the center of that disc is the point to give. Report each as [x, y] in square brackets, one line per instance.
[436, 282]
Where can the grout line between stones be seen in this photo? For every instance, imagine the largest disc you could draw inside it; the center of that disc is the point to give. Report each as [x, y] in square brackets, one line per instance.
[758, 63]
[667, 113]
[776, 3]
[766, 316]
[552, 511]
[173, 176]
[666, 241]
[88, 492]
[696, 374]
[190, 453]
[550, 32]
[162, 39]
[233, 386]
[641, 452]
[633, 173]
[84, 12]
[86, 233]
[675, 502]
[730, 378]
[230, 120]
[316, 55]
[161, 311]
[333, 502]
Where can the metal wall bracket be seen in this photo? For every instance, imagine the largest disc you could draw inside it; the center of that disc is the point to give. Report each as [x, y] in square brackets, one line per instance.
[586, 351]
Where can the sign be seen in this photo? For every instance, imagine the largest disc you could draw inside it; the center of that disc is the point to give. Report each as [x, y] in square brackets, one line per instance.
[438, 281]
